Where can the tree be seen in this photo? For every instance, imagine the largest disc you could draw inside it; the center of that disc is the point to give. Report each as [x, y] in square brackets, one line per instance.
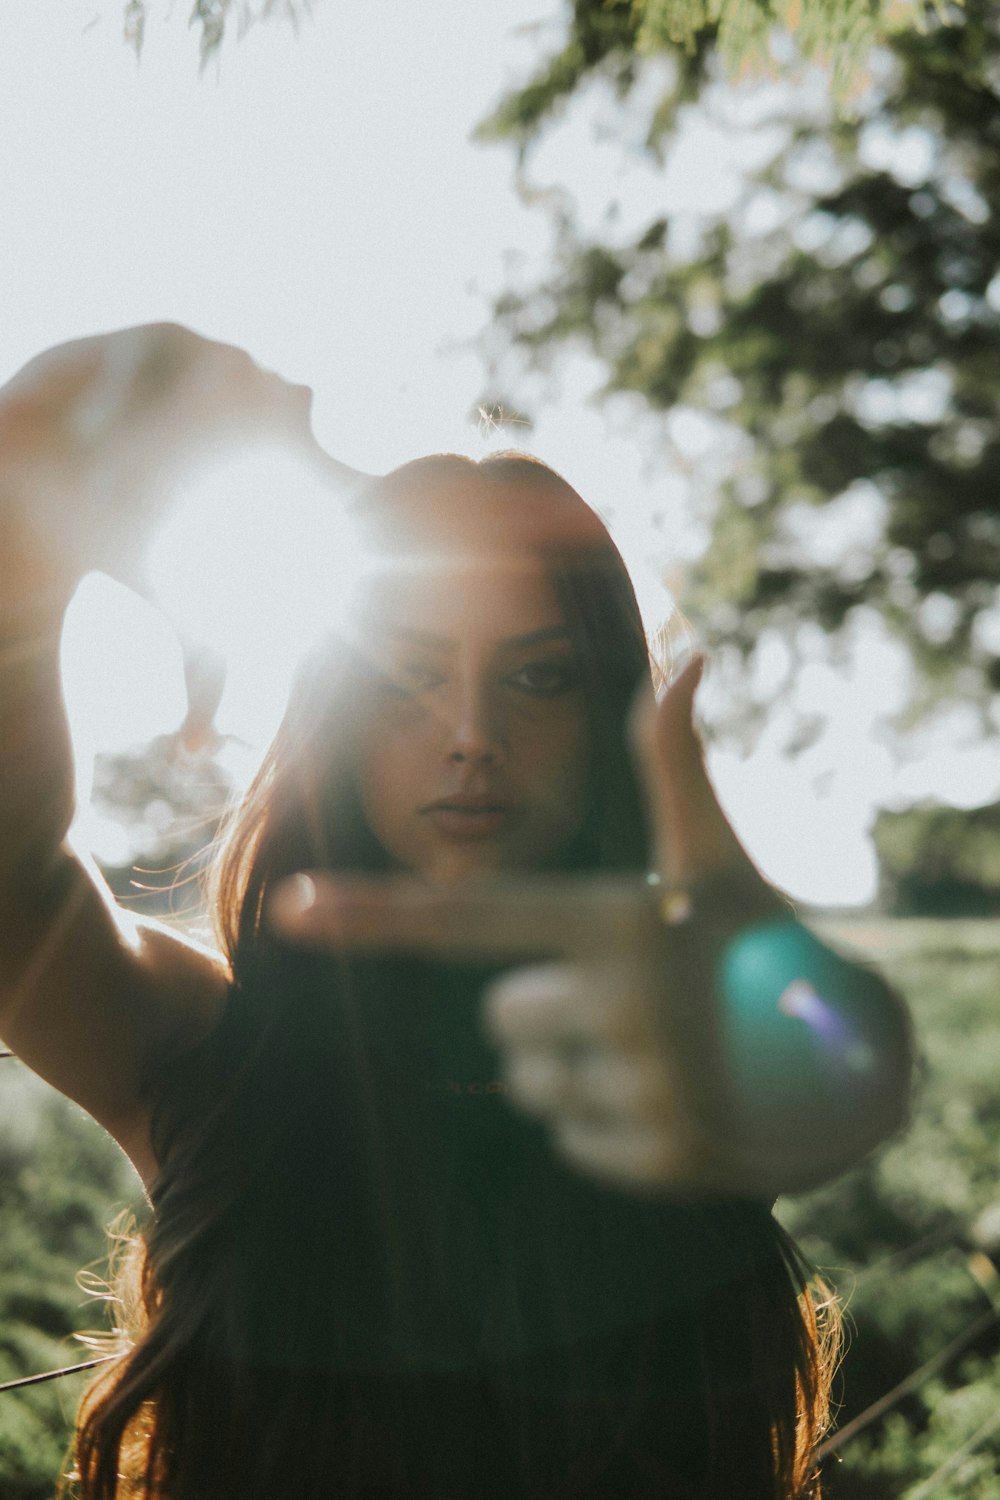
[836, 331]
[841, 32]
[940, 861]
[212, 18]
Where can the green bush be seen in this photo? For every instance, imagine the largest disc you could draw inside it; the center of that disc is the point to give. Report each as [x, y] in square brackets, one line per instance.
[906, 1238]
[62, 1179]
[941, 861]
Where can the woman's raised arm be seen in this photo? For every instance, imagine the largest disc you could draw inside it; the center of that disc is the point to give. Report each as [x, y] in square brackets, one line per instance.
[91, 434]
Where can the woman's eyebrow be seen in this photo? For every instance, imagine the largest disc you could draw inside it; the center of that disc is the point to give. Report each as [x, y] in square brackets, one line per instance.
[537, 637]
[422, 637]
[514, 642]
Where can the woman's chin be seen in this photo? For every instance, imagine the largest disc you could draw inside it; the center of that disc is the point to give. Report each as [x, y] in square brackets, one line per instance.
[454, 865]
[456, 870]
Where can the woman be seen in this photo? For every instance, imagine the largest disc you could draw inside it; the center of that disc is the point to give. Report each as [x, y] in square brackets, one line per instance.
[367, 1272]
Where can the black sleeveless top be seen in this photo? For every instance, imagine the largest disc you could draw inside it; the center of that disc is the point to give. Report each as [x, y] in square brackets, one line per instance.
[584, 1321]
[508, 1326]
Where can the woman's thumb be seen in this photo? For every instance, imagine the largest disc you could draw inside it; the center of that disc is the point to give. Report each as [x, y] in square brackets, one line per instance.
[691, 832]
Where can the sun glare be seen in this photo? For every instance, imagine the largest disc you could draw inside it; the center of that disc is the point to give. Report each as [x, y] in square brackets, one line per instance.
[256, 556]
[254, 560]
[123, 675]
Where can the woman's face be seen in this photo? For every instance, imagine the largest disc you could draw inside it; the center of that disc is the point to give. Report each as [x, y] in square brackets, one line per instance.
[476, 759]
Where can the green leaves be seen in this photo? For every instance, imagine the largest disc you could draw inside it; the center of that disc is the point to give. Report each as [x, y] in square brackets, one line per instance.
[903, 1238]
[840, 32]
[839, 320]
[939, 859]
[761, 37]
[212, 18]
[60, 1180]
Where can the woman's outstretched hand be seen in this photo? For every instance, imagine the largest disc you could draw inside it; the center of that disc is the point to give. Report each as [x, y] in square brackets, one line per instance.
[665, 1056]
[95, 435]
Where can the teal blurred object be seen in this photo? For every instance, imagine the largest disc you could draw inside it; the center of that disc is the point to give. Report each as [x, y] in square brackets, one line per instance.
[796, 1021]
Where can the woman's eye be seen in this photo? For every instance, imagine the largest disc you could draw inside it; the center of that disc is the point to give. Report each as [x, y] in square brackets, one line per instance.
[410, 677]
[545, 679]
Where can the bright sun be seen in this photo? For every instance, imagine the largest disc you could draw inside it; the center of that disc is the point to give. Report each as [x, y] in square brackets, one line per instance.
[254, 560]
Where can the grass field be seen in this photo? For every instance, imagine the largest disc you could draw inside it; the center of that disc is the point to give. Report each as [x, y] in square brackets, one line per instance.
[907, 1240]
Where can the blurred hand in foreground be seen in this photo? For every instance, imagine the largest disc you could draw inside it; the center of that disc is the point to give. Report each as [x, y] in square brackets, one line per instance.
[680, 1034]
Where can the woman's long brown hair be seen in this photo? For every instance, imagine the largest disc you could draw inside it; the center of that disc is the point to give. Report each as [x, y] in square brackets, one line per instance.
[290, 1143]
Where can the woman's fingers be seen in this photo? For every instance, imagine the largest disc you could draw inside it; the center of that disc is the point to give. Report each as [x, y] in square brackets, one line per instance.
[610, 1102]
[99, 436]
[533, 917]
[580, 1040]
[587, 1081]
[604, 1005]
[692, 834]
[626, 1153]
[76, 394]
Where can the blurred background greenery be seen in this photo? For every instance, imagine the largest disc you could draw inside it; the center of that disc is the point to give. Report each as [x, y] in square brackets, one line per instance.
[819, 352]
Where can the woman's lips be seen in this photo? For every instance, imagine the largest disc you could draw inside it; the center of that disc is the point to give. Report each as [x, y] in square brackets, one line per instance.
[470, 818]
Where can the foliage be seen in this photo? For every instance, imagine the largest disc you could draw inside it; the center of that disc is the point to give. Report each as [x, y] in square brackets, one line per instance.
[910, 1238]
[61, 1181]
[832, 335]
[603, 39]
[938, 859]
[842, 30]
[837, 33]
[169, 801]
[212, 17]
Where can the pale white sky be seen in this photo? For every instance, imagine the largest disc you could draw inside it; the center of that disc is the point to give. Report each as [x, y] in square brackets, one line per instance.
[317, 200]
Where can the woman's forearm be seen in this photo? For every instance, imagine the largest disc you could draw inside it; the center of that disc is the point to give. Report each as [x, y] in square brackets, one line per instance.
[36, 763]
[36, 785]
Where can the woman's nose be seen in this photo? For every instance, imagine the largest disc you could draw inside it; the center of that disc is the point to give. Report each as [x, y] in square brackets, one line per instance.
[473, 732]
